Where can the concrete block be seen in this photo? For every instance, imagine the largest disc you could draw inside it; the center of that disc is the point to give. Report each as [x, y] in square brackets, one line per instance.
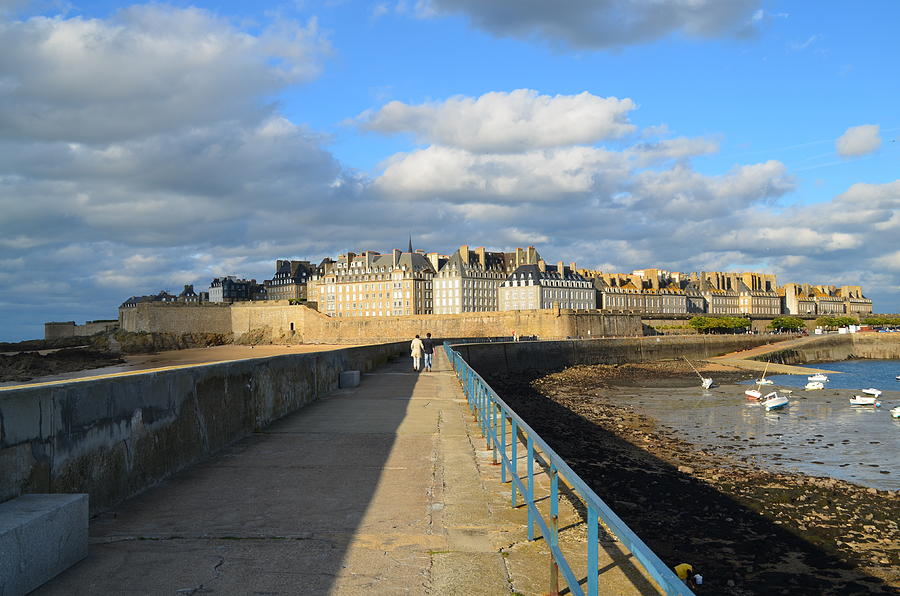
[40, 536]
[349, 378]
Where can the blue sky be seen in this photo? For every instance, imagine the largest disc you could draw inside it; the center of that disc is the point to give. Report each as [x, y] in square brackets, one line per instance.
[147, 146]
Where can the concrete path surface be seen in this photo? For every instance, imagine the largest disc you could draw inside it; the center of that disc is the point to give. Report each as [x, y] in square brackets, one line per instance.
[382, 489]
[741, 359]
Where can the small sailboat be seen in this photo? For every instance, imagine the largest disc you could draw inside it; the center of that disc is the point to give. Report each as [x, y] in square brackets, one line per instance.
[864, 400]
[753, 394]
[813, 385]
[763, 380]
[872, 391]
[773, 401]
[705, 382]
[895, 412]
[818, 377]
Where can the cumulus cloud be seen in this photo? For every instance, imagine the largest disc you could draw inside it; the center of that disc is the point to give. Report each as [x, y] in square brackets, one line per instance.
[859, 140]
[602, 23]
[146, 69]
[500, 122]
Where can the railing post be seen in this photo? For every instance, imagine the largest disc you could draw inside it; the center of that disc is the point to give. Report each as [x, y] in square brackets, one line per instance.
[593, 545]
[554, 529]
[494, 408]
[514, 469]
[502, 445]
[530, 497]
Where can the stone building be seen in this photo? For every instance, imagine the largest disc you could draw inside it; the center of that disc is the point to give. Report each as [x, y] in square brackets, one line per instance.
[540, 286]
[290, 280]
[797, 299]
[854, 301]
[469, 280]
[643, 291]
[188, 295]
[162, 296]
[371, 284]
[827, 302]
[232, 289]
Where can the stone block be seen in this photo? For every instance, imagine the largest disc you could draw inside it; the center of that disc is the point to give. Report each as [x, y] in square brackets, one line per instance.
[348, 379]
[40, 536]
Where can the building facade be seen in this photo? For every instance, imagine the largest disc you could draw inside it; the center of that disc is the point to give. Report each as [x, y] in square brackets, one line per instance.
[469, 280]
[371, 284]
[232, 289]
[540, 286]
[290, 280]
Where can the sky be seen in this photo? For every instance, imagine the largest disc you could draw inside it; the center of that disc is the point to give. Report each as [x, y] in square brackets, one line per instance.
[148, 146]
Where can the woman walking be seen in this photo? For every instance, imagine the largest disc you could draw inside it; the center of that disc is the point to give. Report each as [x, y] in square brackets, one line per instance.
[416, 348]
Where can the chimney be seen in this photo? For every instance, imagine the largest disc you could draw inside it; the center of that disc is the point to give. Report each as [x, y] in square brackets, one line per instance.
[464, 253]
[541, 264]
[482, 260]
[560, 267]
[395, 256]
[572, 267]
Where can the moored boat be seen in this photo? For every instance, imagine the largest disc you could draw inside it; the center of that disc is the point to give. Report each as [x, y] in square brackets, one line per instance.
[773, 401]
[872, 391]
[753, 394]
[864, 400]
[818, 377]
[813, 385]
[895, 412]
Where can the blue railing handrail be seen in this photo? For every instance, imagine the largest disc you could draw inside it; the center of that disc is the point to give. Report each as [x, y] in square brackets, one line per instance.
[478, 392]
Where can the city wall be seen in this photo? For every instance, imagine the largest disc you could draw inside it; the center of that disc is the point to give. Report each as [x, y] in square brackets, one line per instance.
[539, 358]
[59, 330]
[113, 438]
[280, 322]
[669, 324]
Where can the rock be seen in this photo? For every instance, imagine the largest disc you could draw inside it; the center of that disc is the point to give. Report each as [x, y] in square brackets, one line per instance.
[872, 491]
[686, 469]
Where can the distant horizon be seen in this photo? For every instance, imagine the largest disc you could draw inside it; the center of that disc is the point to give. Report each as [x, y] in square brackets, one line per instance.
[152, 145]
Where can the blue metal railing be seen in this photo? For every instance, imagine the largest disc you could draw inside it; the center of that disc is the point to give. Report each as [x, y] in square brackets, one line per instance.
[493, 415]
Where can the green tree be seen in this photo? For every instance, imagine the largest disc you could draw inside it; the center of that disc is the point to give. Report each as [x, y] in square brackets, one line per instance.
[787, 324]
[719, 324]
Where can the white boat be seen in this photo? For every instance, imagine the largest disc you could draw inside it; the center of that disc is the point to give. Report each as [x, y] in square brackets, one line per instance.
[773, 401]
[813, 385]
[872, 391]
[818, 377]
[897, 377]
[753, 394]
[864, 400]
[705, 382]
[765, 381]
[895, 412]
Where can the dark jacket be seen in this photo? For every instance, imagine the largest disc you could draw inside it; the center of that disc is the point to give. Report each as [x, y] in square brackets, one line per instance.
[429, 345]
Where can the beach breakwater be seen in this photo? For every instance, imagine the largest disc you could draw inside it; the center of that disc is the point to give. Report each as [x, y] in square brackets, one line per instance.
[115, 437]
[833, 347]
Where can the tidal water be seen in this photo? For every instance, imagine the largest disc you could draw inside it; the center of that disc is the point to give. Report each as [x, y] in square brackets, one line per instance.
[819, 433]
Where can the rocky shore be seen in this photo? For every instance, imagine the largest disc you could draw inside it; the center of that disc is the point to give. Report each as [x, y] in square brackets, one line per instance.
[748, 530]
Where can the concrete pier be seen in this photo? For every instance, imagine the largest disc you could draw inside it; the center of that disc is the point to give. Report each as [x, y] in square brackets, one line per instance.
[382, 488]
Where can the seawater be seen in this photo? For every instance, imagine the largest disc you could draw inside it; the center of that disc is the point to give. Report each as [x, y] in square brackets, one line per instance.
[819, 433]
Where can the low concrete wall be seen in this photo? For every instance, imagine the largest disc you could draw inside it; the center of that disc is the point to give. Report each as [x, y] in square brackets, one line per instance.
[537, 358]
[113, 438]
[833, 347]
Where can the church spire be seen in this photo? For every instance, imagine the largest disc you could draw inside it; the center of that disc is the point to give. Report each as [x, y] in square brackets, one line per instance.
[410, 243]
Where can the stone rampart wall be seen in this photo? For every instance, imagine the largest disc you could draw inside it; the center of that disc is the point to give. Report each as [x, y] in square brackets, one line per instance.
[285, 323]
[59, 330]
[539, 358]
[115, 437]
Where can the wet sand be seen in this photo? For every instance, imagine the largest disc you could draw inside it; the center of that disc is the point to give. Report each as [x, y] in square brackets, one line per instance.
[749, 531]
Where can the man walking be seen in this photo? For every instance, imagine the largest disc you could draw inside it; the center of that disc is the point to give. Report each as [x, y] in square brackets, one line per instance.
[416, 348]
[428, 350]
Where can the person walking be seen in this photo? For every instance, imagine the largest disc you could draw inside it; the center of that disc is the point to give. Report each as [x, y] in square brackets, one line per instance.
[416, 349]
[428, 350]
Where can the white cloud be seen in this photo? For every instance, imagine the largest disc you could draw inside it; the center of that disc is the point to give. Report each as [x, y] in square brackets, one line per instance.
[506, 122]
[602, 23]
[148, 69]
[859, 140]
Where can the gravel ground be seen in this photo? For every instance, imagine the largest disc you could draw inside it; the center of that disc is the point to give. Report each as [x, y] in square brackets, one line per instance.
[747, 530]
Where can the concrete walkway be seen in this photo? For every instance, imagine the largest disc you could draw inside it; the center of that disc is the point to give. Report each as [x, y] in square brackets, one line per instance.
[382, 489]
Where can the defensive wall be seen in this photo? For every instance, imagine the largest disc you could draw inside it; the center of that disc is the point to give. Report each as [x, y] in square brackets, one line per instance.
[669, 323]
[61, 329]
[114, 437]
[281, 322]
[838, 346]
[539, 358]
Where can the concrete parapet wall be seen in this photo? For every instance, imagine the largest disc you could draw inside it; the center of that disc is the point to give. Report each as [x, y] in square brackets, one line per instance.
[113, 438]
[537, 358]
[284, 323]
[835, 346]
